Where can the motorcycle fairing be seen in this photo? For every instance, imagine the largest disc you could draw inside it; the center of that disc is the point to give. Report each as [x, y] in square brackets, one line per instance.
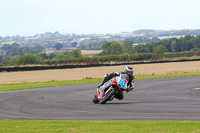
[122, 84]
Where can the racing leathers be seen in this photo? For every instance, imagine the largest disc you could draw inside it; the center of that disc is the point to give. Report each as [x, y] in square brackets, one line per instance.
[109, 76]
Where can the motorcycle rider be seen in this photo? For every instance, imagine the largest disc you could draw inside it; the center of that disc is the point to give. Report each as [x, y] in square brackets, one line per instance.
[129, 71]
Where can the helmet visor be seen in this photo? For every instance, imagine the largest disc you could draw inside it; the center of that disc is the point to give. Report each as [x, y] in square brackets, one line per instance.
[129, 73]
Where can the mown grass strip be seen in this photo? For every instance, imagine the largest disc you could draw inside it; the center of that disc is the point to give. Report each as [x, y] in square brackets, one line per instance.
[18, 86]
[166, 76]
[44, 126]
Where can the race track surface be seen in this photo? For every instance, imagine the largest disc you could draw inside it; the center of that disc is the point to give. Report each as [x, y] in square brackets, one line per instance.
[152, 99]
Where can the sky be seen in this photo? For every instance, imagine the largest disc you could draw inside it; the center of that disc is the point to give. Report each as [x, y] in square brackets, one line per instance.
[31, 17]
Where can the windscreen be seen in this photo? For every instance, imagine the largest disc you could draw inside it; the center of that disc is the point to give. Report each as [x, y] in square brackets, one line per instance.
[124, 77]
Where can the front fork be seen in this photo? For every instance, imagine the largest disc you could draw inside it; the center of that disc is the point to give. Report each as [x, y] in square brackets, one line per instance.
[109, 90]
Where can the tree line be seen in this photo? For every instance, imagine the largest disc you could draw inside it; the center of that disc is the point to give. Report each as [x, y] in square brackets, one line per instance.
[113, 51]
[7, 51]
[186, 43]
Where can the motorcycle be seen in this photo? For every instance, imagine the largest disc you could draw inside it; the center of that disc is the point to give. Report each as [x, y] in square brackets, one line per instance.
[111, 88]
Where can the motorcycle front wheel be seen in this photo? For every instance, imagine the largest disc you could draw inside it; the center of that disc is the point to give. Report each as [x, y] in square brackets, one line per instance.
[95, 99]
[108, 94]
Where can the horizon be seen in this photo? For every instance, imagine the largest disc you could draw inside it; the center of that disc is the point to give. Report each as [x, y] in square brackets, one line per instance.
[96, 33]
[29, 18]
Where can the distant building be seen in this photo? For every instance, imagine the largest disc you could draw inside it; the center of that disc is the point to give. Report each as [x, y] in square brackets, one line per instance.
[135, 44]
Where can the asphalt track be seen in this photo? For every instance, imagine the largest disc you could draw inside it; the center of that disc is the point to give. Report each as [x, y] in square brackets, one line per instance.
[153, 99]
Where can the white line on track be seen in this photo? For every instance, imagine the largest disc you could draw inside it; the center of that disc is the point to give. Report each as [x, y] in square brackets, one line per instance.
[196, 88]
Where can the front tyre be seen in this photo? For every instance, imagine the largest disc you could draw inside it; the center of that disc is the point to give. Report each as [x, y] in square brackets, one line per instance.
[109, 93]
[95, 99]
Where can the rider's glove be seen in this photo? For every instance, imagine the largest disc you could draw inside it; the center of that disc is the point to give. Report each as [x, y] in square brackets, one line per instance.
[116, 73]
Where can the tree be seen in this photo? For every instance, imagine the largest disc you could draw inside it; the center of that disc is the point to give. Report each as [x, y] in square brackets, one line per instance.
[141, 48]
[166, 43]
[15, 51]
[43, 56]
[76, 53]
[49, 45]
[160, 51]
[84, 46]
[2, 52]
[1, 58]
[15, 45]
[185, 43]
[37, 49]
[128, 46]
[196, 42]
[58, 46]
[52, 55]
[110, 48]
[74, 44]
[27, 59]
[175, 47]
[26, 50]
[7, 47]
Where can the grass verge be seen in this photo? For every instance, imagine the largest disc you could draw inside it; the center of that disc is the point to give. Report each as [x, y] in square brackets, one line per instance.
[43, 126]
[18, 86]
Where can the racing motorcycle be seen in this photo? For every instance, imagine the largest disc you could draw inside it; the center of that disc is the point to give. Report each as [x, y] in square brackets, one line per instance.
[111, 88]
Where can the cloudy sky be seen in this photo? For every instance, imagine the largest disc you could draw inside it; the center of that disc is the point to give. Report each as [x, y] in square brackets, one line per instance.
[30, 17]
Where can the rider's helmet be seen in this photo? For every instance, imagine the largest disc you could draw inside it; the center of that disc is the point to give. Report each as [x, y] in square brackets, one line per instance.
[129, 70]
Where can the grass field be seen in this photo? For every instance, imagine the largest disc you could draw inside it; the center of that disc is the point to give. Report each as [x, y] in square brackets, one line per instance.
[88, 52]
[10, 126]
[98, 72]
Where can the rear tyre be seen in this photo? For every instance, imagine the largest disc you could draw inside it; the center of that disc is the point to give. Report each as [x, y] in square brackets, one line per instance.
[108, 95]
[95, 99]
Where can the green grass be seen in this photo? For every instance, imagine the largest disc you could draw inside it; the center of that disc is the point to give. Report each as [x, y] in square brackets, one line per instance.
[167, 76]
[18, 86]
[43, 126]
[8, 42]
